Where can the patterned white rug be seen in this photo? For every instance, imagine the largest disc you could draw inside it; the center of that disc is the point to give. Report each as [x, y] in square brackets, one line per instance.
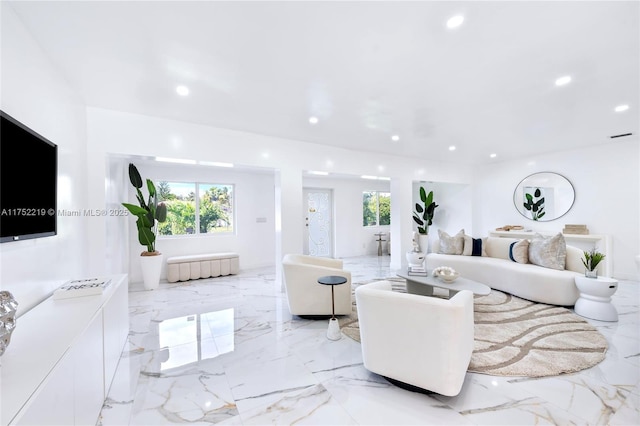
[517, 337]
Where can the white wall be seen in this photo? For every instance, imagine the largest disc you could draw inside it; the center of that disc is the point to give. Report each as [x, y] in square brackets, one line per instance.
[351, 238]
[607, 190]
[253, 197]
[114, 132]
[34, 93]
[454, 211]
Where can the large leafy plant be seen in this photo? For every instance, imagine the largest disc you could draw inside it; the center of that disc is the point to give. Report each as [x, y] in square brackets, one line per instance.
[148, 212]
[423, 214]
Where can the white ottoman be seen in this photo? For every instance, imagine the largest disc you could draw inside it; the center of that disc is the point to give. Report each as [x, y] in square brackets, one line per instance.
[595, 298]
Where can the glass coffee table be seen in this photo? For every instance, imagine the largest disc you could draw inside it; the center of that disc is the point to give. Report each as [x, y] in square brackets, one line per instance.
[424, 285]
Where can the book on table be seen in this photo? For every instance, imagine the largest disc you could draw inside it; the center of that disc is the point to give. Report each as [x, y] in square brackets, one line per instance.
[82, 287]
[417, 270]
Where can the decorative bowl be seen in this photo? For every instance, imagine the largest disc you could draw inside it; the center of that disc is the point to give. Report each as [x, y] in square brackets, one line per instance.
[446, 274]
[415, 258]
[448, 277]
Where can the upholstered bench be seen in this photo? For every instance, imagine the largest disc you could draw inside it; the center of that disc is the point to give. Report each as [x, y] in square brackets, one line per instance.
[193, 267]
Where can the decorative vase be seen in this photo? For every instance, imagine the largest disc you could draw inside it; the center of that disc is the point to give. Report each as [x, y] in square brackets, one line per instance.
[591, 274]
[423, 241]
[415, 258]
[8, 306]
[151, 265]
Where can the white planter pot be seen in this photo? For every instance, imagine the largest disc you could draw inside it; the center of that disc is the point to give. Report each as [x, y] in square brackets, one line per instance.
[151, 266]
[423, 242]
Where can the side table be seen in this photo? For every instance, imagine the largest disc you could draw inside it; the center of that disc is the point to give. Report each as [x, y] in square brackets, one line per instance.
[595, 298]
[380, 235]
[333, 332]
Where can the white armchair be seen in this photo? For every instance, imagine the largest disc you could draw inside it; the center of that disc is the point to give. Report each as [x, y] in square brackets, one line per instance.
[422, 341]
[304, 295]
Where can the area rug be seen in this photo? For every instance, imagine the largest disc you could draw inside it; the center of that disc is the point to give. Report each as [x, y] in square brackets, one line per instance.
[517, 337]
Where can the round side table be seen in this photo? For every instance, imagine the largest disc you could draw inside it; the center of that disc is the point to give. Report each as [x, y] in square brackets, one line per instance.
[333, 332]
[595, 298]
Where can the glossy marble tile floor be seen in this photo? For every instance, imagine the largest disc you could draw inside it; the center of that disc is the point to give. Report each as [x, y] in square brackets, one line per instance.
[227, 351]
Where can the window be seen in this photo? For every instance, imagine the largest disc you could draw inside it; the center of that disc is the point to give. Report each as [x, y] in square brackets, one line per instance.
[196, 208]
[376, 208]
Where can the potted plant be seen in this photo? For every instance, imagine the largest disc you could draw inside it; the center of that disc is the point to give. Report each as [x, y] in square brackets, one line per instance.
[590, 261]
[423, 217]
[147, 214]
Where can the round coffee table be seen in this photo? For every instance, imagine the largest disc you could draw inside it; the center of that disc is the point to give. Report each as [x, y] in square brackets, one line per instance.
[333, 332]
[595, 298]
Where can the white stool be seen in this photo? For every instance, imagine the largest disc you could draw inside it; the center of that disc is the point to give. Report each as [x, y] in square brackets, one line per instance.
[595, 298]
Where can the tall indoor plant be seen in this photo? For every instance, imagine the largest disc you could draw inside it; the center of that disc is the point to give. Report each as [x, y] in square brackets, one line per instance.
[147, 213]
[423, 217]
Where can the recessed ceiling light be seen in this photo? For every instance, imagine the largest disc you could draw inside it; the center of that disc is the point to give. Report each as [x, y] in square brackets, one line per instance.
[621, 108]
[563, 80]
[455, 21]
[313, 120]
[317, 172]
[452, 148]
[493, 155]
[395, 138]
[182, 90]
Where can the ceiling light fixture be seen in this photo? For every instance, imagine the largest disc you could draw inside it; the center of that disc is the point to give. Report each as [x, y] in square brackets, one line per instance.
[313, 120]
[493, 155]
[455, 21]
[452, 148]
[563, 80]
[216, 164]
[369, 177]
[395, 138]
[182, 90]
[621, 108]
[384, 178]
[175, 160]
[317, 172]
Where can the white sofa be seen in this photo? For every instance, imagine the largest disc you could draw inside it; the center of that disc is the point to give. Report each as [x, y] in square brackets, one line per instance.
[305, 295]
[528, 281]
[193, 267]
[420, 341]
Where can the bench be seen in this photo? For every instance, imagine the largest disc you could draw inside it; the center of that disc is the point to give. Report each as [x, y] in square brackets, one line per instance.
[193, 267]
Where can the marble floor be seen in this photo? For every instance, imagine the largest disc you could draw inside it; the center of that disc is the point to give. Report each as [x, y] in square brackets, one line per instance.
[227, 351]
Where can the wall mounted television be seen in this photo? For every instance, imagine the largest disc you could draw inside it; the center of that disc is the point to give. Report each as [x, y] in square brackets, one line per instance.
[28, 182]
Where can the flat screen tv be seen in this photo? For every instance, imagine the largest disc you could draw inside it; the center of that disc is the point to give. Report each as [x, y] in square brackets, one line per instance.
[28, 182]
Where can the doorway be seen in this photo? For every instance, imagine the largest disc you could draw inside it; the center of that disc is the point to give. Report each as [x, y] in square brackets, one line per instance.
[317, 210]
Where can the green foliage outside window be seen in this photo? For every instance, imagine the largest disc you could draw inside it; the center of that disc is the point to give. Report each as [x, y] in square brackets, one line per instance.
[376, 208]
[212, 212]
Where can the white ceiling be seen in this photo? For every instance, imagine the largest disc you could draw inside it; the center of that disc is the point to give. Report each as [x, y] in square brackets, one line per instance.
[367, 70]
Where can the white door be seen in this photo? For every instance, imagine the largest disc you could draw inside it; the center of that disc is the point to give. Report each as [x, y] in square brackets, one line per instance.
[318, 222]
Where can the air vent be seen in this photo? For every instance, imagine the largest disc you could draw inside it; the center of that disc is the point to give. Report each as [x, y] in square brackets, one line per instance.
[620, 135]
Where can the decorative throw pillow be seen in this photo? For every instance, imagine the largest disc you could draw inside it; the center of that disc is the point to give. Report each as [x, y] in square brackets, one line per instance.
[550, 252]
[519, 251]
[449, 244]
[474, 246]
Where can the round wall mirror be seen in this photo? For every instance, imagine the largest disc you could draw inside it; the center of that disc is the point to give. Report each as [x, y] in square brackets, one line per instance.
[544, 196]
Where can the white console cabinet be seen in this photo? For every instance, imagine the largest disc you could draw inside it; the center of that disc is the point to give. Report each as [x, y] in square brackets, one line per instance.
[62, 357]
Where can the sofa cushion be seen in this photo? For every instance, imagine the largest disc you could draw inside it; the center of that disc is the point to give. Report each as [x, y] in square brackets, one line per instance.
[519, 251]
[550, 252]
[449, 244]
[474, 246]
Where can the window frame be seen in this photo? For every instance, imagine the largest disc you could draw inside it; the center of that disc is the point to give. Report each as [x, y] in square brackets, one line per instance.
[197, 233]
[377, 195]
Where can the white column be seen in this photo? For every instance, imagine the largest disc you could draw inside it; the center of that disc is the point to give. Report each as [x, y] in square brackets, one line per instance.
[288, 203]
[401, 219]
